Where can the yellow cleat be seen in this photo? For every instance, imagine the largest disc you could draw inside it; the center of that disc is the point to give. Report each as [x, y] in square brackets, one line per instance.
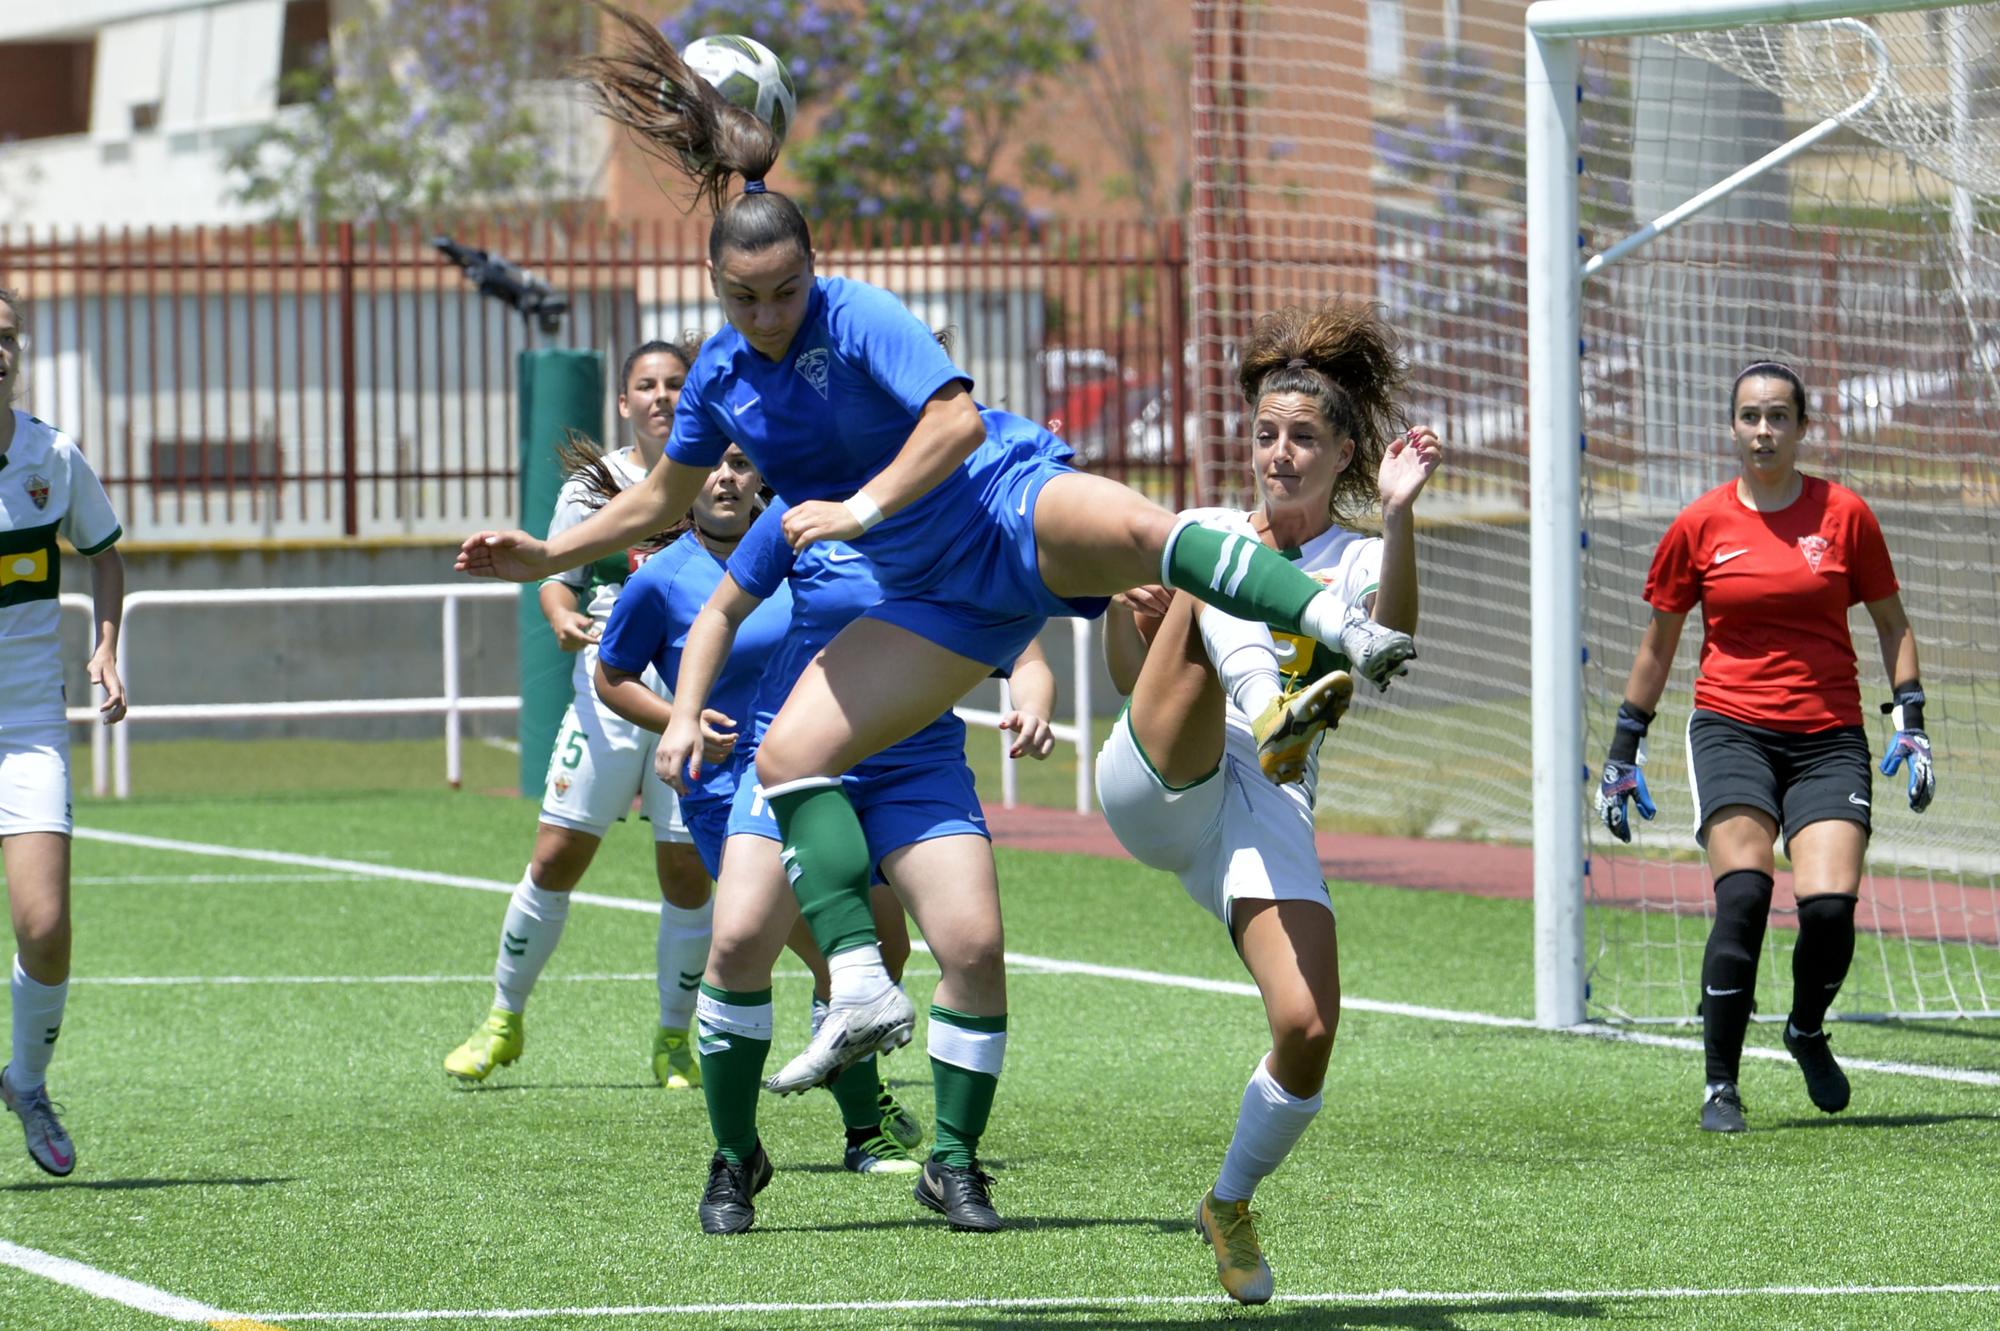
[1230, 1228]
[495, 1044]
[674, 1063]
[1288, 725]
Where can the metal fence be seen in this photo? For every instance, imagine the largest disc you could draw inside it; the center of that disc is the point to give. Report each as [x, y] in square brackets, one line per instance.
[278, 382]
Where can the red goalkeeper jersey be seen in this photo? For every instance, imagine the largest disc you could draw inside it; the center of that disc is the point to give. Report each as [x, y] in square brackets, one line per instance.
[1774, 589]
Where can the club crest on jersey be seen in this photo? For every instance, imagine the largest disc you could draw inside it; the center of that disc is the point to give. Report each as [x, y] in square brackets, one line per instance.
[815, 365]
[1814, 548]
[38, 490]
[561, 785]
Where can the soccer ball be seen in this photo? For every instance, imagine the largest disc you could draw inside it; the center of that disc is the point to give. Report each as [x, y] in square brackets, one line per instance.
[748, 74]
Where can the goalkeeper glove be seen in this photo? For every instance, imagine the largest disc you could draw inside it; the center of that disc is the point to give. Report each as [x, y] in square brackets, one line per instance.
[1623, 778]
[1910, 743]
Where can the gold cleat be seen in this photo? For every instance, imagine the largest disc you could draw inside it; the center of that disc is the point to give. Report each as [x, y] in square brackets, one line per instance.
[1230, 1228]
[1288, 725]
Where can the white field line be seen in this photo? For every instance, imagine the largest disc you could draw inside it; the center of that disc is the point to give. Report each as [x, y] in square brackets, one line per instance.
[1052, 965]
[161, 879]
[104, 1285]
[192, 981]
[1382, 1296]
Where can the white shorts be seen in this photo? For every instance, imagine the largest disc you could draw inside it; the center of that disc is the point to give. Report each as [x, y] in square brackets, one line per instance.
[601, 763]
[34, 777]
[1229, 837]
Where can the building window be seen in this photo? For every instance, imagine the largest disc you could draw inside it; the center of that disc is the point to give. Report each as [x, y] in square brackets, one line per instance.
[303, 68]
[47, 88]
[1385, 39]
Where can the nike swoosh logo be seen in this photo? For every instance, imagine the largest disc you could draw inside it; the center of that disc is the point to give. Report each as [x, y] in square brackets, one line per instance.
[843, 558]
[1713, 992]
[1857, 800]
[742, 407]
[1725, 557]
[1023, 509]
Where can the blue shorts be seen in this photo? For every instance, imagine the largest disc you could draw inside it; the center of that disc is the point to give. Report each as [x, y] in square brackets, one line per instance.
[898, 806]
[708, 825]
[980, 592]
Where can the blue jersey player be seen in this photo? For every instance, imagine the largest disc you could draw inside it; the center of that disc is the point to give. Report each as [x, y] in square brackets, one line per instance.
[978, 527]
[925, 833]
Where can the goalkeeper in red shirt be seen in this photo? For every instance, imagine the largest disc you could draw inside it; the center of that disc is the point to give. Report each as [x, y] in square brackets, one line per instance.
[1774, 558]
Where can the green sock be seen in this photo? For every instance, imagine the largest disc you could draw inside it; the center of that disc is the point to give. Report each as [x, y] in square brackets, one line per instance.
[966, 1053]
[1239, 575]
[826, 857]
[732, 1038]
[859, 1091]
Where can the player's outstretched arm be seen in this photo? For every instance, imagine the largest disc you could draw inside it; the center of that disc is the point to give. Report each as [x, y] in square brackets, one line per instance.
[946, 434]
[1131, 621]
[636, 512]
[678, 757]
[107, 598]
[1032, 691]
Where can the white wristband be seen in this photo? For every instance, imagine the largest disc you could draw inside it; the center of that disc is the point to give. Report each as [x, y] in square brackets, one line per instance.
[865, 510]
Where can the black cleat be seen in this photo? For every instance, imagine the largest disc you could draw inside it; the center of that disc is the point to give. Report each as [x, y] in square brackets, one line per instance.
[725, 1202]
[1722, 1111]
[959, 1195]
[1825, 1082]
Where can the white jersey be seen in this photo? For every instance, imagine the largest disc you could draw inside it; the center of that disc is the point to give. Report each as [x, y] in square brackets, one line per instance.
[46, 490]
[1351, 565]
[603, 580]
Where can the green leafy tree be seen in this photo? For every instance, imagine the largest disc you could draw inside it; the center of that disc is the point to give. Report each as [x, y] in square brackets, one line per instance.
[426, 108]
[911, 108]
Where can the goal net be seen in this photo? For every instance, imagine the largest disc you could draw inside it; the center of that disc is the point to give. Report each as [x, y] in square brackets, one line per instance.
[1869, 261]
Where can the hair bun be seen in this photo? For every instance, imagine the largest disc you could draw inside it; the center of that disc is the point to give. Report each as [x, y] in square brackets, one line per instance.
[1297, 363]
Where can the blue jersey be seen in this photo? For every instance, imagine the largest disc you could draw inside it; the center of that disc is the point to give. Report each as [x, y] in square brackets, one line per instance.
[832, 584]
[958, 566]
[649, 626]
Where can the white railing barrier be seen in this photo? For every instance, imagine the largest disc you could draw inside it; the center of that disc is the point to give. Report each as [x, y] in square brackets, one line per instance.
[451, 704]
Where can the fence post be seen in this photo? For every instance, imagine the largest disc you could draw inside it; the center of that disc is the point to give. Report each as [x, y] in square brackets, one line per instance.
[453, 772]
[1177, 350]
[1080, 673]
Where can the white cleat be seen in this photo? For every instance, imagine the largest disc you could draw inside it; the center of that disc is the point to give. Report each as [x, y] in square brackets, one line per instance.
[48, 1145]
[1378, 654]
[845, 1037]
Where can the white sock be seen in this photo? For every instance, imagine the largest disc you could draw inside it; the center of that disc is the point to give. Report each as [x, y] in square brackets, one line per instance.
[38, 1013]
[1267, 1128]
[820, 1010]
[858, 976]
[1245, 659]
[528, 938]
[1323, 617]
[682, 955]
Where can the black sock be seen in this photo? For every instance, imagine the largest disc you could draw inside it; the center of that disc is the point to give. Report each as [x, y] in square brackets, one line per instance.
[862, 1136]
[1819, 963]
[1729, 968]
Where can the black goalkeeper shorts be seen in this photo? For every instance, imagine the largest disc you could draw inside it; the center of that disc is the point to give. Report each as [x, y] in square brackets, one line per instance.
[1797, 778]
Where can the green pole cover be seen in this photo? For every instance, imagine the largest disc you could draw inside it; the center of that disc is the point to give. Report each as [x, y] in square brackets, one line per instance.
[560, 389]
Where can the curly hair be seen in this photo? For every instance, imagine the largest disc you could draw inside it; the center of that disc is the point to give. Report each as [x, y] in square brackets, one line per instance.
[1344, 357]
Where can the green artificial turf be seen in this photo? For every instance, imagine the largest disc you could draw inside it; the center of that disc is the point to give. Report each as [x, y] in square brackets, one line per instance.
[296, 1147]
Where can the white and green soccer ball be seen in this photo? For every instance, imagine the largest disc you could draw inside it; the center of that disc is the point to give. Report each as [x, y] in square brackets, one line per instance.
[748, 74]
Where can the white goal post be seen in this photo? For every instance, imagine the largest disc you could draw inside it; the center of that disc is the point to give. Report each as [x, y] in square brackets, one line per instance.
[1557, 270]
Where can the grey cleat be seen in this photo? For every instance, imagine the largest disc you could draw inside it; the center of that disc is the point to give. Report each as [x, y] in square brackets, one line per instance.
[1377, 654]
[48, 1145]
[845, 1037]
